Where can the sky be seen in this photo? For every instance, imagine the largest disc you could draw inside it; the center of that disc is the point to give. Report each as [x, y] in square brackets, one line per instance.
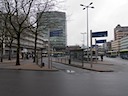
[105, 16]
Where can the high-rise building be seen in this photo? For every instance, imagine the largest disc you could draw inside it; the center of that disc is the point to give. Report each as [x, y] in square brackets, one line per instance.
[52, 21]
[120, 32]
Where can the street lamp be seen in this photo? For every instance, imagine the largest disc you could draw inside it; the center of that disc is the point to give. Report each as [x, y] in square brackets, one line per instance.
[86, 7]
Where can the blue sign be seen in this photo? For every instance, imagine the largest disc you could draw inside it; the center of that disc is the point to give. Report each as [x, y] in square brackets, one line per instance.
[100, 41]
[56, 33]
[100, 34]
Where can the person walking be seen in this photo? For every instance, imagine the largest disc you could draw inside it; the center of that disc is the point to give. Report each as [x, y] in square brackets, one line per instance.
[101, 56]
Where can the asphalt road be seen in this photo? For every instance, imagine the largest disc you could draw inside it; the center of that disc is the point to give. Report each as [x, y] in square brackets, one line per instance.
[68, 81]
[120, 65]
[116, 60]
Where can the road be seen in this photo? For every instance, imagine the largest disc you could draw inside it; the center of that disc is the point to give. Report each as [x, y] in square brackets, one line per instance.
[116, 60]
[68, 81]
[120, 65]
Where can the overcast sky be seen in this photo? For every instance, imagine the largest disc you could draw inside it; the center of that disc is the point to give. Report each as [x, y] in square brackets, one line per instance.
[104, 17]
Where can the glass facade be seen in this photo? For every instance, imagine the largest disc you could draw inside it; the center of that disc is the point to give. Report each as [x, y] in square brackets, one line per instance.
[52, 21]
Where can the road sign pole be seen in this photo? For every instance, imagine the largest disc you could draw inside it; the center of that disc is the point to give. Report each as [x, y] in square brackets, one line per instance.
[91, 47]
[96, 53]
[49, 64]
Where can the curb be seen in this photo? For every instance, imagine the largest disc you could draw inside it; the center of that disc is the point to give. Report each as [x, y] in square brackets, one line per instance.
[52, 70]
[98, 70]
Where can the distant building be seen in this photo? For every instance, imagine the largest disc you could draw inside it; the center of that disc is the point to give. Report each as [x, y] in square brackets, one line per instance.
[120, 32]
[52, 21]
[115, 45]
[107, 46]
[75, 47]
[101, 48]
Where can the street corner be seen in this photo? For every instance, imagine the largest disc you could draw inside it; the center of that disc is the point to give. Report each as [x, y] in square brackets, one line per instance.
[99, 68]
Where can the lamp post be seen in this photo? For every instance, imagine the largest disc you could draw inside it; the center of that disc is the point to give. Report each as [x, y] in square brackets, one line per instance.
[83, 39]
[49, 51]
[86, 7]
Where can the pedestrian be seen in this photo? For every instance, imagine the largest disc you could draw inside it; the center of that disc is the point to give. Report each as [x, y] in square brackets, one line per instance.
[101, 56]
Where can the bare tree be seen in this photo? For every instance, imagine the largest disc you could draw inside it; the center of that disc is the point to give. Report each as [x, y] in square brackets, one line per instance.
[20, 14]
[1, 42]
[43, 24]
[9, 34]
[47, 6]
[2, 35]
[9, 38]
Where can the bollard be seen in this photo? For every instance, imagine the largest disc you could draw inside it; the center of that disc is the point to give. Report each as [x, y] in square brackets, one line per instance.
[42, 64]
[69, 61]
[61, 60]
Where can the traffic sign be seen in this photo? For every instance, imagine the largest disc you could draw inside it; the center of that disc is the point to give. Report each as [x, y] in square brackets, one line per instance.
[101, 41]
[56, 33]
[100, 34]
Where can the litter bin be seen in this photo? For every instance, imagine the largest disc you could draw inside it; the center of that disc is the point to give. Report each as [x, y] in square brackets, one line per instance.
[42, 64]
[69, 61]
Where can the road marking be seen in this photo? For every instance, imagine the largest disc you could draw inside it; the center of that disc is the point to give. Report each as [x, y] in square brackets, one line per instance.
[70, 71]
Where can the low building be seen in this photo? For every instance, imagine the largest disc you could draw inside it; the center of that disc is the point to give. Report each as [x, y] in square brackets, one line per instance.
[27, 44]
[107, 46]
[27, 40]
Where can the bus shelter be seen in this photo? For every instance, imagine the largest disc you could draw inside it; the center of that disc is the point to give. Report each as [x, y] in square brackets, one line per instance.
[76, 54]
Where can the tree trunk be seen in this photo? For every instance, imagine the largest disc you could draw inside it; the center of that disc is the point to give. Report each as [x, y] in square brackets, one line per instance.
[1, 59]
[10, 50]
[34, 59]
[18, 50]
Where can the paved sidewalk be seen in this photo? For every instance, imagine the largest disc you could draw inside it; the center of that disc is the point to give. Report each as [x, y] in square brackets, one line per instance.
[99, 66]
[29, 65]
[95, 67]
[24, 65]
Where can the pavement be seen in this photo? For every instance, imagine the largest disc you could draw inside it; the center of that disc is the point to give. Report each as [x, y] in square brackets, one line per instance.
[98, 66]
[27, 64]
